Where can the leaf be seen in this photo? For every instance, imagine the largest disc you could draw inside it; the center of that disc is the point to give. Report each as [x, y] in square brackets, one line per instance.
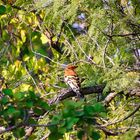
[54, 38]
[79, 113]
[55, 136]
[72, 104]
[68, 112]
[4, 100]
[89, 110]
[56, 119]
[71, 121]
[95, 135]
[98, 107]
[38, 111]
[8, 92]
[29, 104]
[12, 112]
[2, 9]
[32, 95]
[18, 133]
[80, 134]
[19, 96]
[32, 121]
[103, 114]
[23, 35]
[8, 8]
[62, 130]
[69, 104]
[44, 105]
[53, 128]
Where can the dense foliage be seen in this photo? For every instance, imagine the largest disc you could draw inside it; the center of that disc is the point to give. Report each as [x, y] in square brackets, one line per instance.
[37, 38]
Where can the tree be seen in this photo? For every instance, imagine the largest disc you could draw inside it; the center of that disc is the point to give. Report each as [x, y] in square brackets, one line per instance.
[38, 37]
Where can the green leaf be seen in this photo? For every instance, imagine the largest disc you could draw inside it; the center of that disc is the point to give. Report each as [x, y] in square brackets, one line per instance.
[55, 136]
[19, 96]
[5, 36]
[89, 110]
[69, 104]
[103, 114]
[29, 104]
[32, 95]
[79, 113]
[38, 111]
[8, 92]
[4, 100]
[95, 135]
[12, 112]
[44, 105]
[53, 128]
[98, 107]
[71, 121]
[18, 133]
[80, 134]
[32, 121]
[8, 8]
[56, 119]
[68, 112]
[2, 9]
[62, 130]
[73, 104]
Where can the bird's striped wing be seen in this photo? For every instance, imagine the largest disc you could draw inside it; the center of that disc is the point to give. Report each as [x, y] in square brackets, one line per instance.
[73, 82]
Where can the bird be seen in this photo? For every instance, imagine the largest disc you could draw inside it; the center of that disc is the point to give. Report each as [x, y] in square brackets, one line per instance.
[71, 78]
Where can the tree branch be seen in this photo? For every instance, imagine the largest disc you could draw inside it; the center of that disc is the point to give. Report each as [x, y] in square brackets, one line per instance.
[67, 93]
[10, 128]
[134, 92]
[112, 95]
[123, 35]
[123, 119]
[109, 132]
[109, 98]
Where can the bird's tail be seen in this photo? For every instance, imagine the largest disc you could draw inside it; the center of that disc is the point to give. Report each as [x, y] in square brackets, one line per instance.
[79, 94]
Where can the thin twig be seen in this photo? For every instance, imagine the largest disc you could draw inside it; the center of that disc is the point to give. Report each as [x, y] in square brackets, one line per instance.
[33, 81]
[10, 128]
[123, 119]
[79, 45]
[39, 54]
[104, 52]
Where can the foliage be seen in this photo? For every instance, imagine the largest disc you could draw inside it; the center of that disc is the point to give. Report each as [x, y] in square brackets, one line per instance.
[38, 37]
[76, 116]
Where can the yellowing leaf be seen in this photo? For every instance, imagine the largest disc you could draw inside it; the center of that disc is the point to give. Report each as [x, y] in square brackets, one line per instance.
[25, 87]
[44, 39]
[17, 63]
[54, 38]
[26, 58]
[14, 20]
[23, 35]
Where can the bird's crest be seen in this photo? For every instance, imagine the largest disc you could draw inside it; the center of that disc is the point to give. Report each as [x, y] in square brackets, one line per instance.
[71, 67]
